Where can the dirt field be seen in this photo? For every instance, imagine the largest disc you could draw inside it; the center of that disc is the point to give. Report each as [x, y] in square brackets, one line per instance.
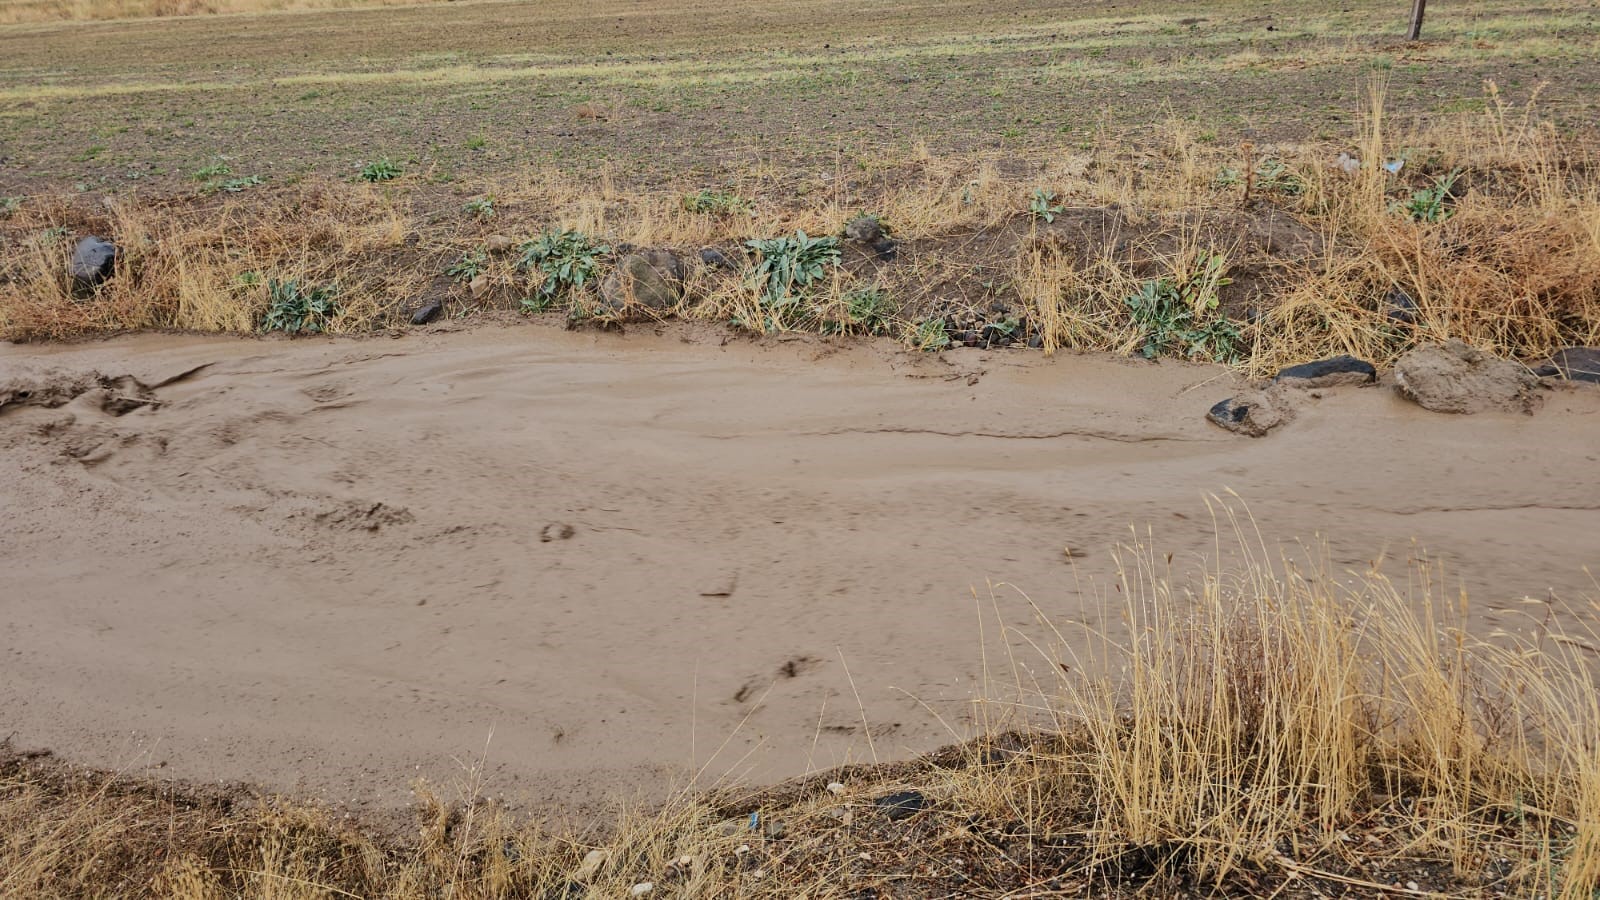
[465, 91]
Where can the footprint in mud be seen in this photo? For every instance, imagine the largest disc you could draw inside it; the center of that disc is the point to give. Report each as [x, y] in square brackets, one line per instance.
[556, 531]
[355, 515]
[792, 668]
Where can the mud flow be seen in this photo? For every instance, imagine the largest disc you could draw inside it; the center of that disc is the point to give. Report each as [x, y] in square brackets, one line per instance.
[584, 561]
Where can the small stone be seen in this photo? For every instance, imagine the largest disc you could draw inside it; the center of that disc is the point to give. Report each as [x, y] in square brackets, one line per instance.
[93, 261]
[886, 249]
[1331, 372]
[1252, 413]
[556, 531]
[593, 862]
[716, 259]
[427, 312]
[642, 888]
[865, 228]
[835, 787]
[901, 804]
[498, 243]
[1399, 307]
[479, 286]
[741, 850]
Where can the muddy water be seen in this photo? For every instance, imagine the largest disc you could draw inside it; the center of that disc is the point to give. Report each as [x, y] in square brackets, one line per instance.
[584, 562]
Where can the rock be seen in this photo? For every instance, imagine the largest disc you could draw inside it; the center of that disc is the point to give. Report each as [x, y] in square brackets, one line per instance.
[1331, 372]
[556, 531]
[716, 259]
[995, 336]
[886, 249]
[593, 862]
[1399, 307]
[652, 279]
[1252, 413]
[93, 261]
[865, 228]
[1456, 378]
[498, 243]
[641, 889]
[427, 312]
[901, 804]
[479, 286]
[1573, 364]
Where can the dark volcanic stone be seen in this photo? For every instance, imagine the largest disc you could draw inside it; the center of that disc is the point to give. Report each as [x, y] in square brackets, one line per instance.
[93, 261]
[1573, 364]
[1399, 307]
[427, 313]
[1329, 372]
[901, 804]
[716, 259]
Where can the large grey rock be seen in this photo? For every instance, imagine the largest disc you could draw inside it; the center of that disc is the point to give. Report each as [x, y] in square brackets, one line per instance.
[1456, 378]
[651, 279]
[1573, 364]
[93, 261]
[1331, 372]
[1253, 413]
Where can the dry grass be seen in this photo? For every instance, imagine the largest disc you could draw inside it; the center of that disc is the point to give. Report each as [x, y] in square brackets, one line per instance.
[1315, 253]
[1269, 725]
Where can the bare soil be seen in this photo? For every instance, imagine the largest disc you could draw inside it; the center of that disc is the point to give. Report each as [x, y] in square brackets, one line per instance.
[599, 565]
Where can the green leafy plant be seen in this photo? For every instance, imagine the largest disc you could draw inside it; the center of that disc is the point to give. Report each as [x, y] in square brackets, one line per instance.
[929, 335]
[482, 207]
[867, 310]
[715, 203]
[299, 309]
[1043, 206]
[230, 185]
[9, 206]
[1176, 314]
[1430, 204]
[786, 266]
[468, 266]
[568, 259]
[380, 170]
[477, 142]
[1272, 176]
[212, 172]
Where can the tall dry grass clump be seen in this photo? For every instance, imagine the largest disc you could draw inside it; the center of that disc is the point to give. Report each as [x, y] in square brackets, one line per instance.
[1280, 715]
[1510, 261]
[209, 267]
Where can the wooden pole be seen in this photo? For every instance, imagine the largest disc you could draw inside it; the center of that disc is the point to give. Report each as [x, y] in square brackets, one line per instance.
[1417, 7]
